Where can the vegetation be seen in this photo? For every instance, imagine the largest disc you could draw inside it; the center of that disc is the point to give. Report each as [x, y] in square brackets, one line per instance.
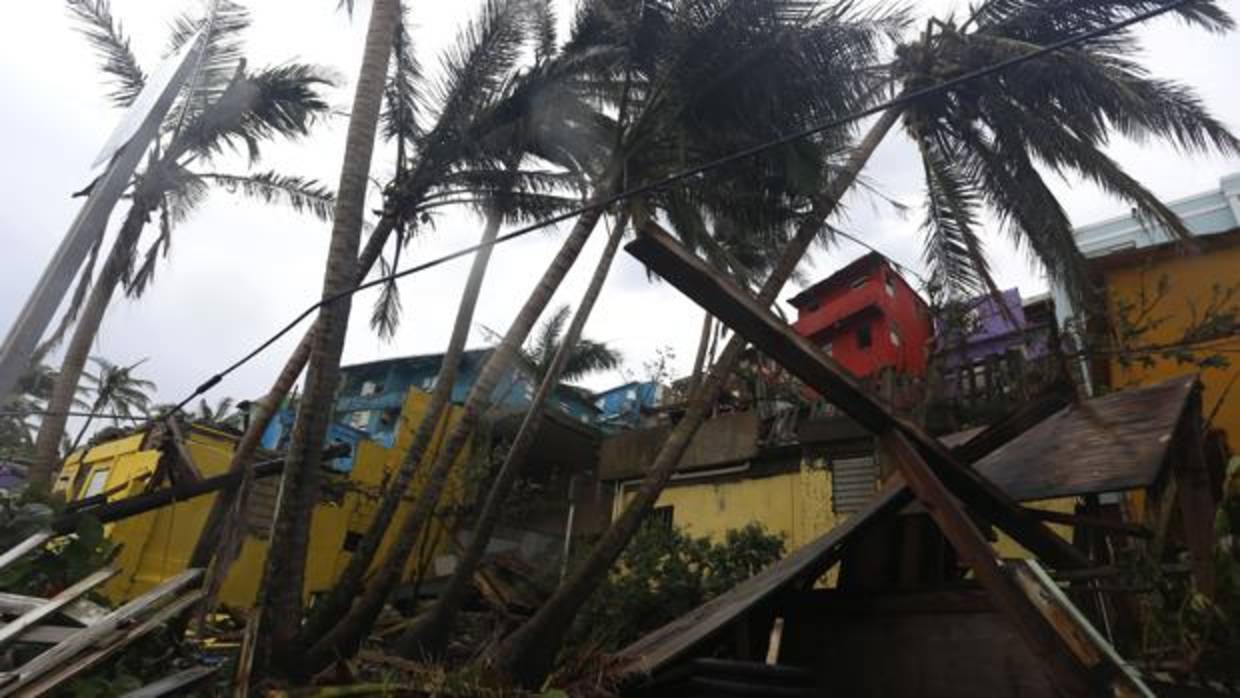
[225, 109]
[114, 390]
[665, 573]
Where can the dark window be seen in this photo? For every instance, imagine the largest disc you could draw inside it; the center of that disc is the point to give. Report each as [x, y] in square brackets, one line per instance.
[863, 336]
[859, 281]
[662, 516]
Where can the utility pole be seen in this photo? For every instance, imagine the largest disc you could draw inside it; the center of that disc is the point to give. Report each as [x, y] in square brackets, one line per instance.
[123, 152]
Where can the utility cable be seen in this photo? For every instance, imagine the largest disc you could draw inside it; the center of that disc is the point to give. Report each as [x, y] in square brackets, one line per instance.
[903, 99]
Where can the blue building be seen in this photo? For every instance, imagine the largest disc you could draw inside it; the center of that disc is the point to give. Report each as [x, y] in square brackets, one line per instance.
[624, 405]
[371, 394]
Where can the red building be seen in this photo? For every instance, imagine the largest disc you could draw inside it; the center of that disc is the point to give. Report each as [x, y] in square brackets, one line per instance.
[867, 318]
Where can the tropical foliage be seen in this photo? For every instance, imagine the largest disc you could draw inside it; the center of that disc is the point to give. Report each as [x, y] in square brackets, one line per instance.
[114, 391]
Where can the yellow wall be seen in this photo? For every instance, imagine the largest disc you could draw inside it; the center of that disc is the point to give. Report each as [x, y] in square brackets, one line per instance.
[1191, 278]
[796, 505]
[158, 544]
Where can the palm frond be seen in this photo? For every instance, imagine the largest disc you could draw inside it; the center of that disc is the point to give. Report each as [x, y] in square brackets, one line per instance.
[145, 275]
[85, 279]
[386, 314]
[302, 194]
[547, 339]
[112, 46]
[402, 96]
[224, 21]
[543, 26]
[590, 357]
[280, 101]
[953, 250]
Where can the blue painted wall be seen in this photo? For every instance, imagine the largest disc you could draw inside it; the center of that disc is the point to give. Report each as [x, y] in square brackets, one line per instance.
[623, 404]
[371, 395]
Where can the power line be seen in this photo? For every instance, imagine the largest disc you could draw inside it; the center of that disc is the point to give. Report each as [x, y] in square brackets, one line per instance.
[44, 413]
[904, 99]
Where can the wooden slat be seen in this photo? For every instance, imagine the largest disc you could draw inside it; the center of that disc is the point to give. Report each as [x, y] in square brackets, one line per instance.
[175, 682]
[93, 657]
[92, 634]
[773, 337]
[18, 551]
[1077, 632]
[974, 550]
[46, 634]
[27, 620]
[1196, 502]
[80, 611]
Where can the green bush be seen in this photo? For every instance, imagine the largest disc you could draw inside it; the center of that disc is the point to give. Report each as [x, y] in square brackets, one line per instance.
[664, 573]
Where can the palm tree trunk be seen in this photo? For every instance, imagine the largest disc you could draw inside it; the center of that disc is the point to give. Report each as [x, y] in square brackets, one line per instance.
[286, 560]
[350, 582]
[345, 637]
[429, 635]
[699, 361]
[52, 427]
[219, 539]
[527, 654]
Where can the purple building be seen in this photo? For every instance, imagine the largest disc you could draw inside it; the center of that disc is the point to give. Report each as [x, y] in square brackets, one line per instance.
[982, 349]
[12, 476]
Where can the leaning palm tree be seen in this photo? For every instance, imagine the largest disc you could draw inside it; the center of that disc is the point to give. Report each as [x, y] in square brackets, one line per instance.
[483, 121]
[980, 143]
[113, 389]
[676, 94]
[284, 572]
[225, 108]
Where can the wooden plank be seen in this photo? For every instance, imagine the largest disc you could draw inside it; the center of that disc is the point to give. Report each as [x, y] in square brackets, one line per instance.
[93, 657]
[94, 633]
[1118, 528]
[670, 642]
[28, 619]
[773, 337]
[18, 551]
[185, 460]
[1196, 502]
[974, 550]
[175, 682]
[80, 611]
[1089, 646]
[46, 634]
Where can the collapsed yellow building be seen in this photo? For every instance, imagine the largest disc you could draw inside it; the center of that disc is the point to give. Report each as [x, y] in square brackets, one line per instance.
[157, 545]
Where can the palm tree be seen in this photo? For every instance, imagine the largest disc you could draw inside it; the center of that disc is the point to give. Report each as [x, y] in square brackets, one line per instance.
[284, 573]
[554, 356]
[587, 356]
[214, 414]
[17, 431]
[675, 93]
[979, 144]
[115, 390]
[482, 118]
[225, 108]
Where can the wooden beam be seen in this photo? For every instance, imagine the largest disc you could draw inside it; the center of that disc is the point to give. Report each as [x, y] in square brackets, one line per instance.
[1117, 528]
[184, 459]
[1197, 505]
[34, 541]
[1075, 630]
[27, 620]
[971, 546]
[773, 337]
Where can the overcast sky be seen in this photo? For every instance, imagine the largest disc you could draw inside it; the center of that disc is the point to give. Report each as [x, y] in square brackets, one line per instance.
[240, 270]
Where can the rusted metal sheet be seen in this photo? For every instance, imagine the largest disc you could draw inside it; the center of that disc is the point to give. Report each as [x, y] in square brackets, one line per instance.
[1115, 442]
[728, 438]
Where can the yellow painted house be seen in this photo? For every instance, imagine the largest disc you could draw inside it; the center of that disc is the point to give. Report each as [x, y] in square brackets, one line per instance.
[1165, 288]
[158, 544]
